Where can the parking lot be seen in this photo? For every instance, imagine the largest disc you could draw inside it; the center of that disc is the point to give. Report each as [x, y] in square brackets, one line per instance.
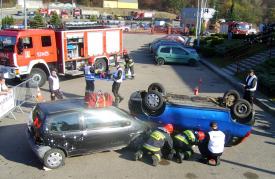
[252, 159]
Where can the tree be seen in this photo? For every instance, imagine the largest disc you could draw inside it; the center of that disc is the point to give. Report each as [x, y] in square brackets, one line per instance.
[176, 5]
[37, 22]
[8, 21]
[55, 21]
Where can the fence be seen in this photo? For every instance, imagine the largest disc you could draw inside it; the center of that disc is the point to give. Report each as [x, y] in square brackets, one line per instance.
[18, 95]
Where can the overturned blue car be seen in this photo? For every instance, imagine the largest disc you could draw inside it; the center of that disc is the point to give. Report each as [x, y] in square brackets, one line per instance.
[234, 115]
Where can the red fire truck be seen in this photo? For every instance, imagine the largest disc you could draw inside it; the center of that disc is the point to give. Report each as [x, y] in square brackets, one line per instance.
[32, 53]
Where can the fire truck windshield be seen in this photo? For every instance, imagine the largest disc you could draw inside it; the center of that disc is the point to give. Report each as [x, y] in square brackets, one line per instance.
[8, 42]
[243, 26]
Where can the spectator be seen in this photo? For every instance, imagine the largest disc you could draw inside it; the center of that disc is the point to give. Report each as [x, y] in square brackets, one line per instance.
[3, 87]
[250, 86]
[54, 86]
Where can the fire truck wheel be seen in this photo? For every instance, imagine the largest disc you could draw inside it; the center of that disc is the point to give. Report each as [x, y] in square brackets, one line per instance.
[101, 65]
[38, 76]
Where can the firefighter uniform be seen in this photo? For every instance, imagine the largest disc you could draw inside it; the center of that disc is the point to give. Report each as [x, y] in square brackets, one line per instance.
[129, 65]
[183, 143]
[118, 78]
[158, 139]
[89, 78]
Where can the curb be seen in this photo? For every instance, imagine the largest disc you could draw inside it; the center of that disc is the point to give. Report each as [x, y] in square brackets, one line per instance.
[260, 100]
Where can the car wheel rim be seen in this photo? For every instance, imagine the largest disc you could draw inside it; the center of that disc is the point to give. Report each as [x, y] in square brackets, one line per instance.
[54, 159]
[230, 100]
[36, 78]
[242, 109]
[153, 100]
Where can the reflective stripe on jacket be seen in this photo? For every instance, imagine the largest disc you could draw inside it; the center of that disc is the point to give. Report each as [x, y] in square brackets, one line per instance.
[249, 83]
[88, 74]
[181, 138]
[116, 76]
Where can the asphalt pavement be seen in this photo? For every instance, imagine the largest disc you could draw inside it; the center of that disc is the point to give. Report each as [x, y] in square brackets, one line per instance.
[252, 159]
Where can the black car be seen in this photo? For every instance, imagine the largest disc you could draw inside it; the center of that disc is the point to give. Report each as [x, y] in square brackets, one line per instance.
[68, 128]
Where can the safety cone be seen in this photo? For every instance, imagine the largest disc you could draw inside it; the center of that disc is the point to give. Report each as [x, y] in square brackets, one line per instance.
[39, 97]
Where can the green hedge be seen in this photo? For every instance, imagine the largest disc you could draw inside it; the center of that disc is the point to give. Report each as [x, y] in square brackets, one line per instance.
[266, 77]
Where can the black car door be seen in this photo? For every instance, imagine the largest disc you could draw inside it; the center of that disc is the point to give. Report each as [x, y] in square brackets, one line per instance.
[65, 131]
[105, 129]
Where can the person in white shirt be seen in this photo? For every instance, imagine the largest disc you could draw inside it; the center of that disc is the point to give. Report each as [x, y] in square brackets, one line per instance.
[3, 87]
[250, 86]
[54, 86]
[213, 146]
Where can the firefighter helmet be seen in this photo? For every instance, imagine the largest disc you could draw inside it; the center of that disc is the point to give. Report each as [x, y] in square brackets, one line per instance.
[169, 128]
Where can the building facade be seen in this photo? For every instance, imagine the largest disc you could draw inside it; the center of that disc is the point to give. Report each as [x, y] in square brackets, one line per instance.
[124, 4]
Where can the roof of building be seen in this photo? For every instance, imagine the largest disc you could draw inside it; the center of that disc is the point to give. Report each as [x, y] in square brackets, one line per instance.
[128, 1]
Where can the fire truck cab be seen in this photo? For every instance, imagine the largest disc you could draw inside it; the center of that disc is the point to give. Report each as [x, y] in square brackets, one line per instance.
[32, 53]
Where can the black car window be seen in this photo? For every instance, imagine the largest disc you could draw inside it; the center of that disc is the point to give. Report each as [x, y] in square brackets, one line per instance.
[165, 50]
[65, 122]
[178, 51]
[104, 119]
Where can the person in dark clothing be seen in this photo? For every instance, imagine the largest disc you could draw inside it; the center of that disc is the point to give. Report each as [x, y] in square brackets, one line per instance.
[89, 73]
[212, 146]
[129, 65]
[250, 86]
[183, 143]
[154, 146]
[118, 78]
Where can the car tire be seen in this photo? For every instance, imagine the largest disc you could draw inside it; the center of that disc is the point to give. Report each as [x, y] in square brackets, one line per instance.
[241, 109]
[101, 65]
[157, 87]
[230, 98]
[160, 61]
[54, 158]
[38, 76]
[134, 103]
[152, 101]
[250, 120]
[192, 62]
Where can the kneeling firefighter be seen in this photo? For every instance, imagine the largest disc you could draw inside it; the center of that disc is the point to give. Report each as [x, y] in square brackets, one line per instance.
[183, 143]
[158, 140]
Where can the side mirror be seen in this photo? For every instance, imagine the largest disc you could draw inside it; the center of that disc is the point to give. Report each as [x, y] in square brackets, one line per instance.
[20, 46]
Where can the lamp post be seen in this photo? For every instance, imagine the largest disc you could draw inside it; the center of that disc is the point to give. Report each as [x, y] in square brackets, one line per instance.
[1, 13]
[25, 15]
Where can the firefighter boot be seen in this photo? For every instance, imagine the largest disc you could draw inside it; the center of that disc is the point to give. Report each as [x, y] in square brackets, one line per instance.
[180, 157]
[138, 155]
[155, 160]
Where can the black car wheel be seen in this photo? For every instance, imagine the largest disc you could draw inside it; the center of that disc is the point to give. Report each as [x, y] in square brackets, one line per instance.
[54, 158]
[100, 64]
[241, 109]
[160, 61]
[192, 62]
[249, 120]
[134, 103]
[38, 76]
[157, 87]
[230, 98]
[153, 100]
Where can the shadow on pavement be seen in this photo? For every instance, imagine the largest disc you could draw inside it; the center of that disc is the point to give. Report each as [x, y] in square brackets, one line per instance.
[14, 146]
[264, 125]
[249, 167]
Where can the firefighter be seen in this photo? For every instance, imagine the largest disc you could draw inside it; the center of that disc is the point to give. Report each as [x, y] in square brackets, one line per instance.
[183, 143]
[158, 141]
[89, 73]
[129, 65]
[54, 86]
[250, 86]
[212, 146]
[118, 78]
